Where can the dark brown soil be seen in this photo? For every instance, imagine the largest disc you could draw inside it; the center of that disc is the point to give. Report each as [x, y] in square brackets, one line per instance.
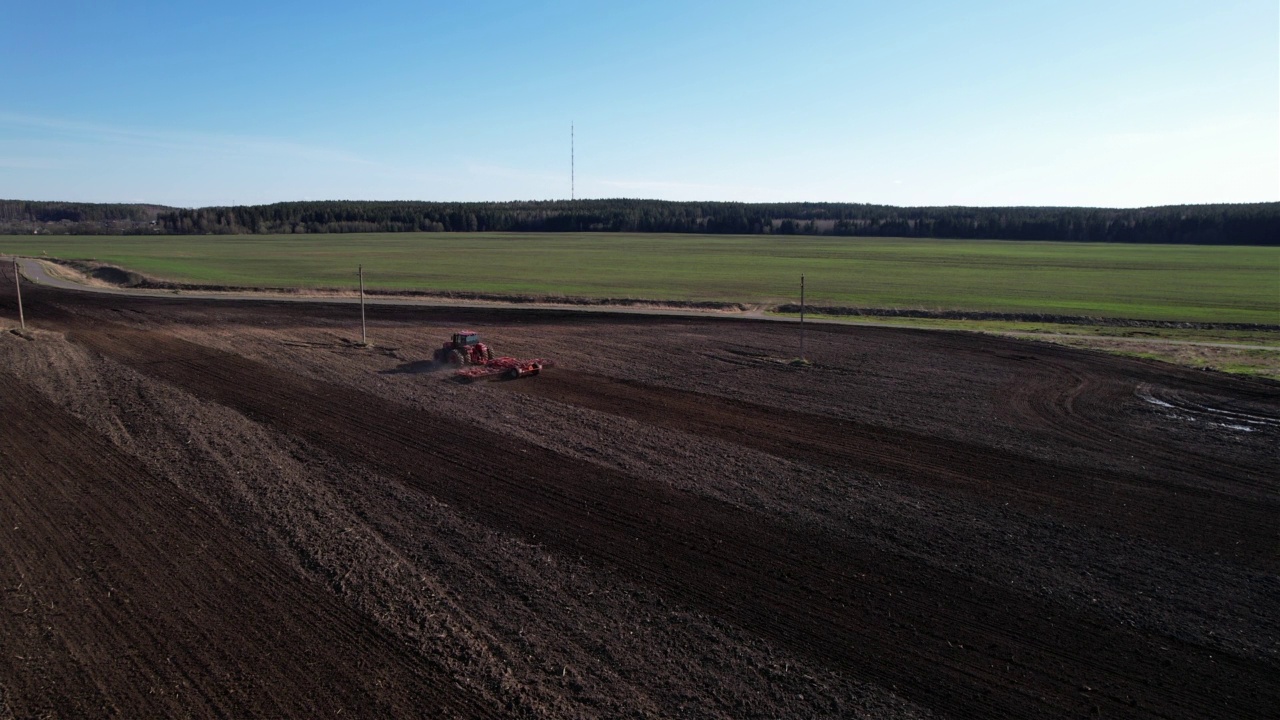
[1019, 317]
[235, 506]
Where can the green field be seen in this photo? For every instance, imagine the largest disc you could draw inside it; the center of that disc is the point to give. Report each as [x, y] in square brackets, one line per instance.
[1158, 282]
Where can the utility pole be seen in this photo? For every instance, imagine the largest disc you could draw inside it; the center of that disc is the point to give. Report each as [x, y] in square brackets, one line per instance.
[364, 336]
[802, 317]
[17, 285]
[572, 179]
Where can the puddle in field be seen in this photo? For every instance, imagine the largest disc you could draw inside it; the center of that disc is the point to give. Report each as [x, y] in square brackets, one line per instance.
[1190, 410]
[1145, 394]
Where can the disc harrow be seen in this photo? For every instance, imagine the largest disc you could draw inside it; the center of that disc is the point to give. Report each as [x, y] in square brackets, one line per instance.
[505, 368]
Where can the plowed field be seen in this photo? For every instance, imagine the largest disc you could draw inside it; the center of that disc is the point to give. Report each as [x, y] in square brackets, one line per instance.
[218, 509]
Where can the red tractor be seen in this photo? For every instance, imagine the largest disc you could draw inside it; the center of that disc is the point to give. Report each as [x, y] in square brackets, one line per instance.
[464, 349]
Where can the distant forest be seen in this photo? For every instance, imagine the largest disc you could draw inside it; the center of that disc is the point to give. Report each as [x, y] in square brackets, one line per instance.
[1233, 224]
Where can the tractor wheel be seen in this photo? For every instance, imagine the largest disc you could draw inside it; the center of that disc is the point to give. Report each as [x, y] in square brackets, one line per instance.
[455, 358]
[488, 353]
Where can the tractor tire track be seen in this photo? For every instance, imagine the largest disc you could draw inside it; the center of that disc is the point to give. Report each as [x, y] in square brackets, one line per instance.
[1071, 399]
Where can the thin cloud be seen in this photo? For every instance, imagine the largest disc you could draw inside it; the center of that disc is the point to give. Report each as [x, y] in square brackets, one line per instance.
[1223, 127]
[487, 170]
[19, 163]
[180, 140]
[663, 187]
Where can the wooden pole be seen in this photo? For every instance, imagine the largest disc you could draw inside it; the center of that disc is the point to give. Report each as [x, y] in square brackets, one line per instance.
[364, 335]
[802, 317]
[17, 284]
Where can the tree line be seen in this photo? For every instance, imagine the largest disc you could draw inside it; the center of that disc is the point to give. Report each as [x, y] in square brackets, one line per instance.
[71, 218]
[1234, 224]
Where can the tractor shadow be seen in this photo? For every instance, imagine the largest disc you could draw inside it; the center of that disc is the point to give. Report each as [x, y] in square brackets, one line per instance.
[416, 367]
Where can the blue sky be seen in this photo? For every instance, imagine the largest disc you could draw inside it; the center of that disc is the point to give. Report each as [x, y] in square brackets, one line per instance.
[1116, 104]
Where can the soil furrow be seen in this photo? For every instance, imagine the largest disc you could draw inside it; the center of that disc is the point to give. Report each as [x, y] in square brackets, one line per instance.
[1196, 518]
[961, 647]
[126, 599]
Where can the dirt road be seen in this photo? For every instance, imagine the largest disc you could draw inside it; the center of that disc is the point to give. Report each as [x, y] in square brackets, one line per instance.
[671, 522]
[36, 270]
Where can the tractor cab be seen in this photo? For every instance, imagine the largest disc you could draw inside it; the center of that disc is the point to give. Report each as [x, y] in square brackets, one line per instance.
[463, 348]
